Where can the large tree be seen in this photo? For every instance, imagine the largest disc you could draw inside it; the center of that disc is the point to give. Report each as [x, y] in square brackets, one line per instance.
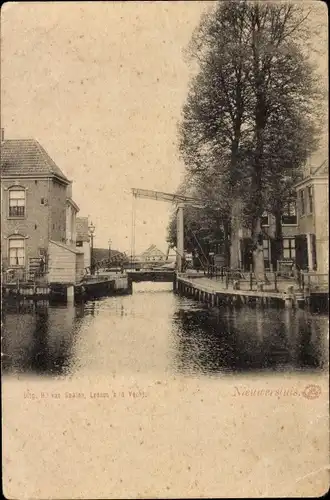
[253, 81]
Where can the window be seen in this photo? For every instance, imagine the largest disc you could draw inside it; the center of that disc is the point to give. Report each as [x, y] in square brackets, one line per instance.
[289, 215]
[310, 199]
[16, 251]
[289, 249]
[302, 201]
[79, 243]
[266, 251]
[17, 203]
[264, 219]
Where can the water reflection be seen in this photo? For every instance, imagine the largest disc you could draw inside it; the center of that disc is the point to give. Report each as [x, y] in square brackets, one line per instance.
[38, 339]
[154, 331]
[249, 339]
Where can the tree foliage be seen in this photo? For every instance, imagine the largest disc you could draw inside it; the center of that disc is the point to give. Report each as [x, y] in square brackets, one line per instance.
[249, 121]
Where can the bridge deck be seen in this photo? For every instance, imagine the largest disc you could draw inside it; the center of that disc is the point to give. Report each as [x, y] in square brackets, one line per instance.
[167, 276]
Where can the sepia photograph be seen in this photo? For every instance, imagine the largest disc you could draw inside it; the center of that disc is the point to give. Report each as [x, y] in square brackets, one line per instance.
[164, 249]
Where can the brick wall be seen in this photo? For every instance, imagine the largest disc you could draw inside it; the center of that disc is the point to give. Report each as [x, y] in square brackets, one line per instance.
[45, 216]
[58, 211]
[35, 225]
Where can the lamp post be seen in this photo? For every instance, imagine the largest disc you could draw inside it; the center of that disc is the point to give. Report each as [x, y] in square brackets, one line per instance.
[91, 228]
[109, 243]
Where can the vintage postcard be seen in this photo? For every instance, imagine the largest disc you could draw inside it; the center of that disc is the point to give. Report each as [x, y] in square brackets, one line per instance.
[164, 249]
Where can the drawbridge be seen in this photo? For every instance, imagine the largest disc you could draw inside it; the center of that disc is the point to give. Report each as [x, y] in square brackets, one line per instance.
[180, 201]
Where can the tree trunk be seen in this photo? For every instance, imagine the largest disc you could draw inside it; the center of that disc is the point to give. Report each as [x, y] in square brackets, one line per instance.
[277, 253]
[235, 236]
[235, 216]
[258, 250]
[226, 244]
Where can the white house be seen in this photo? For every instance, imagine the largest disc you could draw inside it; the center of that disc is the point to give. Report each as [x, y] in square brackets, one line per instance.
[153, 254]
[83, 239]
[71, 215]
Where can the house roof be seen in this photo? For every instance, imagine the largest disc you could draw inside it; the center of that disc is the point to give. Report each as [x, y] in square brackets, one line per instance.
[322, 169]
[153, 250]
[73, 204]
[82, 229]
[315, 174]
[66, 247]
[26, 157]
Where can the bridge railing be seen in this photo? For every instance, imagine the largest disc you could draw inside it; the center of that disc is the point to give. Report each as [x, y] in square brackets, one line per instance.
[239, 279]
[314, 281]
[301, 281]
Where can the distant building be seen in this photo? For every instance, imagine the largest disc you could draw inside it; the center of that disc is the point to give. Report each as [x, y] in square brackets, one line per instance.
[83, 239]
[312, 241]
[268, 224]
[304, 227]
[153, 254]
[37, 214]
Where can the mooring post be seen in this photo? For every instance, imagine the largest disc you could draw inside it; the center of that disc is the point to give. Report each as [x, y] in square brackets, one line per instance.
[288, 302]
[70, 293]
[130, 285]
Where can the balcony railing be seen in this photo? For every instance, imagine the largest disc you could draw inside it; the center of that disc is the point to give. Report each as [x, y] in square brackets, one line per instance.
[16, 276]
[16, 211]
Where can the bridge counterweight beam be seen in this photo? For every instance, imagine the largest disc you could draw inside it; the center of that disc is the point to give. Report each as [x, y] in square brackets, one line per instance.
[180, 237]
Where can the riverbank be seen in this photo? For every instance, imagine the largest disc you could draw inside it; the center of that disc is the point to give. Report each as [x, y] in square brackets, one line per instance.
[94, 286]
[241, 292]
[155, 395]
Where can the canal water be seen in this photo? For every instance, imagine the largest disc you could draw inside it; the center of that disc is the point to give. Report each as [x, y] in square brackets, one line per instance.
[153, 395]
[158, 333]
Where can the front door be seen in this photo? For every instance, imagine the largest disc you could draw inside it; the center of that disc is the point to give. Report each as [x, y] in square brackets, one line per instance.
[301, 251]
[246, 254]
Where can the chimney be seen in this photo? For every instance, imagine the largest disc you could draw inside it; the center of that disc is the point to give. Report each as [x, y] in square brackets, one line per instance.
[2, 134]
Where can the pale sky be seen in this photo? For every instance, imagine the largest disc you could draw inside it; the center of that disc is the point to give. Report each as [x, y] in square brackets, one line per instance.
[101, 86]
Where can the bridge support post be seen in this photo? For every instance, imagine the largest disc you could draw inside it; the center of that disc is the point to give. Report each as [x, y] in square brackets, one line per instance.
[174, 284]
[180, 238]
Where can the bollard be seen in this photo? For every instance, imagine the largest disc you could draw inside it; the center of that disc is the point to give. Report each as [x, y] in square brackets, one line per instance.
[288, 302]
[236, 285]
[70, 293]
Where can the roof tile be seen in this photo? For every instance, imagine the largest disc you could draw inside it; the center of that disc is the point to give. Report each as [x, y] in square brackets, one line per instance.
[27, 156]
